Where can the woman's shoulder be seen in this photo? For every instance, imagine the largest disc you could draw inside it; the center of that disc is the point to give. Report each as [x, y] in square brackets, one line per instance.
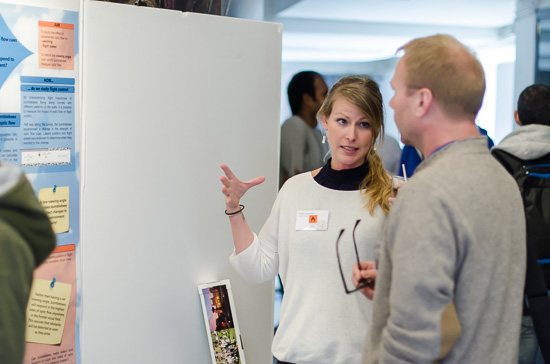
[298, 180]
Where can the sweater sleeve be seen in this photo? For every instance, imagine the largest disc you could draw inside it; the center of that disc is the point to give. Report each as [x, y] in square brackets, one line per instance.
[422, 325]
[260, 261]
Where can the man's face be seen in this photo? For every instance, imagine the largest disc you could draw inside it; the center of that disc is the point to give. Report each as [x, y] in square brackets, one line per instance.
[402, 102]
[321, 91]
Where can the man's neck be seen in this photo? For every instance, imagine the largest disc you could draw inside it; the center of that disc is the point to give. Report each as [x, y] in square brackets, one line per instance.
[440, 136]
[308, 118]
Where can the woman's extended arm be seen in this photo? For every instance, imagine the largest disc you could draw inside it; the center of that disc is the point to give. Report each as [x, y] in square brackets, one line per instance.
[234, 189]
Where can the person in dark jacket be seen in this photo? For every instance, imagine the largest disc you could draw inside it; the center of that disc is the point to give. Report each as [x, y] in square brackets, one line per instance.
[530, 142]
[26, 240]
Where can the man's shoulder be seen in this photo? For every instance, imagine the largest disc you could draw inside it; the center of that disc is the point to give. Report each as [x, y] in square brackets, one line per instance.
[294, 122]
[457, 155]
[463, 164]
[526, 143]
[295, 129]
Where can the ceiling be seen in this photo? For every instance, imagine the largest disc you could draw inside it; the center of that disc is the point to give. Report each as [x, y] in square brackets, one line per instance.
[367, 30]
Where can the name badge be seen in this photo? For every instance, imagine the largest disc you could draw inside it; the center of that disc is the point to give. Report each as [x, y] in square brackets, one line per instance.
[312, 220]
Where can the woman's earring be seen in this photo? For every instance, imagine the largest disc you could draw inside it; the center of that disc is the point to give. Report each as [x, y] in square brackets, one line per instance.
[324, 138]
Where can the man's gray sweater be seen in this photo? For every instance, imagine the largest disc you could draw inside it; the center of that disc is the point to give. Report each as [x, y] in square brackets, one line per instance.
[450, 280]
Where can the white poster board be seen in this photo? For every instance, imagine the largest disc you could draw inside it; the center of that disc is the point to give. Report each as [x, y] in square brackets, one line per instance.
[167, 97]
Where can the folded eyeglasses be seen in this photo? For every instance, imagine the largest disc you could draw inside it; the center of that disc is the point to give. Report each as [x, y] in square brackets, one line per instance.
[363, 282]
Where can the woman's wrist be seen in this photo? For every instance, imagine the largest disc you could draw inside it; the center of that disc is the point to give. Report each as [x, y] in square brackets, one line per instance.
[234, 211]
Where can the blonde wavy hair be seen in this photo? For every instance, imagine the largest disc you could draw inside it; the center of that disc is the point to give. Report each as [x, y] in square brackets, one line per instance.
[363, 92]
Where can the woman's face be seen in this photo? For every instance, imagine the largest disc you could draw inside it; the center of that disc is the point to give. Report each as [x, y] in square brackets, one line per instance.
[349, 134]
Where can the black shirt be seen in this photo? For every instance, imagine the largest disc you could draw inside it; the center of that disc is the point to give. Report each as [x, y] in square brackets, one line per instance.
[343, 180]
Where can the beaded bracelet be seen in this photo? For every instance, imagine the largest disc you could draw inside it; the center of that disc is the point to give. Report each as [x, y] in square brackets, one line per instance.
[236, 212]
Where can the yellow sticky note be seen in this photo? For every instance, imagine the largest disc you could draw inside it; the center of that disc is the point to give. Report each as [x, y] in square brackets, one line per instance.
[56, 205]
[46, 311]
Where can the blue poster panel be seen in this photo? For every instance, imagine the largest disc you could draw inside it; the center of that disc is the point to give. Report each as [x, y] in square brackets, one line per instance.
[39, 128]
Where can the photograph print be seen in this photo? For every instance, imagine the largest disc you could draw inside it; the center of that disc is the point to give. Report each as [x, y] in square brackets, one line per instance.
[221, 323]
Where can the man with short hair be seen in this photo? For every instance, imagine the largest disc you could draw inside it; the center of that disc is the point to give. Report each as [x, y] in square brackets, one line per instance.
[529, 145]
[302, 149]
[450, 275]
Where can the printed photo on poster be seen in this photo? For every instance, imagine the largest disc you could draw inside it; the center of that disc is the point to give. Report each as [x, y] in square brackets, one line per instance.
[221, 323]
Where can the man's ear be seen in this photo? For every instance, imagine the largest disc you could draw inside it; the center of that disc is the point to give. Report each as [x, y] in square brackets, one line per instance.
[424, 99]
[307, 99]
[516, 117]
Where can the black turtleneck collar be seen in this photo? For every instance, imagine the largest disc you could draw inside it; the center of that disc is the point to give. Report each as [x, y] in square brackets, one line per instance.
[344, 180]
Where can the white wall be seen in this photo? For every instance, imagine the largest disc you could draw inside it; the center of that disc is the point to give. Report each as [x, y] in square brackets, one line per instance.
[168, 96]
[505, 102]
[494, 115]
[525, 29]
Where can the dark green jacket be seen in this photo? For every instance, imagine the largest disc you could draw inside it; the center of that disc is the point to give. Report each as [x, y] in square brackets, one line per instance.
[26, 240]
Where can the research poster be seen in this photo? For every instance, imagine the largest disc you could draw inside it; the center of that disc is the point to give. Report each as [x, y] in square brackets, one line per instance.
[39, 129]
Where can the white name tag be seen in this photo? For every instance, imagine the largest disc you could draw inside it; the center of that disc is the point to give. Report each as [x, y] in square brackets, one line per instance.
[311, 220]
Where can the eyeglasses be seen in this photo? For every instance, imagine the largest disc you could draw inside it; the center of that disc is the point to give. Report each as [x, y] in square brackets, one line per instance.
[363, 282]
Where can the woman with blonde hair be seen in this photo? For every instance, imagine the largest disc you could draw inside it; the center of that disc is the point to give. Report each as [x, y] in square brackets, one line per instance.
[319, 322]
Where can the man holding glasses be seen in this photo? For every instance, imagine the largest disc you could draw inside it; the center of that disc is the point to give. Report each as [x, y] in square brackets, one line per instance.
[452, 266]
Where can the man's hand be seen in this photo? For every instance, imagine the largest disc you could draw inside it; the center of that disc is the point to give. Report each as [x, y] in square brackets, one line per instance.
[366, 271]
